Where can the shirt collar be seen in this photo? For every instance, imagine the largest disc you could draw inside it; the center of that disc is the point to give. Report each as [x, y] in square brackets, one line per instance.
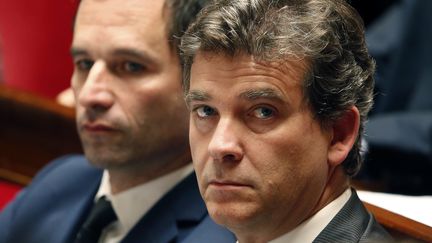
[132, 204]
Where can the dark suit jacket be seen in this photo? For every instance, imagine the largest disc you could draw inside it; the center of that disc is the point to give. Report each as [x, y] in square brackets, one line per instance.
[353, 224]
[58, 200]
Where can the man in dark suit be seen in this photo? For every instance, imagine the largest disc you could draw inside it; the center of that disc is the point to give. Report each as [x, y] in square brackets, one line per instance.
[278, 93]
[400, 125]
[132, 121]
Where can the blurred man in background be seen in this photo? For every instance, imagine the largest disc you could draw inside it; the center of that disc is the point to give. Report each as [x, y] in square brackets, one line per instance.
[400, 125]
[135, 183]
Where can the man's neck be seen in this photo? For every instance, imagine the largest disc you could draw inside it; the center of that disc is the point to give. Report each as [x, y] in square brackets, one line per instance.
[124, 178]
[337, 183]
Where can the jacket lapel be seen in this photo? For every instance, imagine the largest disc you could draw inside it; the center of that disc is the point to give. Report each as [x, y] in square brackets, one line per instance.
[352, 218]
[173, 217]
[63, 193]
[78, 203]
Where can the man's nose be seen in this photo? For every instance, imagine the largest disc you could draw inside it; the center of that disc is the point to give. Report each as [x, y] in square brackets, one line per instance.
[225, 144]
[96, 93]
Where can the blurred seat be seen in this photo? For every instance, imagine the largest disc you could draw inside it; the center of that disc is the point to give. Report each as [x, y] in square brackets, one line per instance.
[33, 131]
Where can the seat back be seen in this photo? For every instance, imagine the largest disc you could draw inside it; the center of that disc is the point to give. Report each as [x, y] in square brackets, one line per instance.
[33, 131]
[401, 228]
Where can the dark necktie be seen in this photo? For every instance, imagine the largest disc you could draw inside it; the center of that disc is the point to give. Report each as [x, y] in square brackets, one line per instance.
[101, 215]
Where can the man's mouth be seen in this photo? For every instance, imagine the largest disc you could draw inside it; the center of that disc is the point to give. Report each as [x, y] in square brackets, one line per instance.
[227, 184]
[97, 127]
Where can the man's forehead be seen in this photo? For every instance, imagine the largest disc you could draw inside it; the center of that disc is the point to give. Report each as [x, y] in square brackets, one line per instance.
[119, 12]
[112, 26]
[296, 68]
[264, 75]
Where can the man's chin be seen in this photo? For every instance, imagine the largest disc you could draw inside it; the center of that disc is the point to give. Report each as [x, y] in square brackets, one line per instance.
[103, 159]
[231, 214]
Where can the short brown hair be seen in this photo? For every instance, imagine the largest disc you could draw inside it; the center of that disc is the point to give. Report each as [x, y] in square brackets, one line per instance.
[329, 34]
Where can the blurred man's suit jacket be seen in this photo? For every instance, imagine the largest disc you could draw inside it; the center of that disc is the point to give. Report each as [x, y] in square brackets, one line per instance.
[399, 130]
[54, 206]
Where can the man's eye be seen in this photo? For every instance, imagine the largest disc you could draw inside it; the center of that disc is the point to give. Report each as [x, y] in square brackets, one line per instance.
[263, 112]
[205, 111]
[84, 64]
[132, 67]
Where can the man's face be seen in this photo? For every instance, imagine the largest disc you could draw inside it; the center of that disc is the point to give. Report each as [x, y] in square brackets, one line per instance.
[260, 157]
[127, 84]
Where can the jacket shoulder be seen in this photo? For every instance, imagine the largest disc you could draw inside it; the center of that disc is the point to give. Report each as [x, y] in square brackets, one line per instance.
[59, 189]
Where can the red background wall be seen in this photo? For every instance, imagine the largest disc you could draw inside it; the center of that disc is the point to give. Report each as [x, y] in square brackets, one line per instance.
[35, 37]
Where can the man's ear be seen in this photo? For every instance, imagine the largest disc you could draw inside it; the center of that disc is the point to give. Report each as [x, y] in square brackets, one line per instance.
[345, 131]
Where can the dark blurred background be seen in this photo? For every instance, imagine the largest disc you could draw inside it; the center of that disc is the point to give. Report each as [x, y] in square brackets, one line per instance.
[399, 132]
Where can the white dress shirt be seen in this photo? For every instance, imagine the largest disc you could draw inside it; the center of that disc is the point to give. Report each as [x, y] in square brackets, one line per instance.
[312, 227]
[132, 204]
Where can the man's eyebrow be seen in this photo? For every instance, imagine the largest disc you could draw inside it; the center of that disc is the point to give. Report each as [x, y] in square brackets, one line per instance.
[127, 52]
[267, 93]
[196, 95]
[133, 53]
[76, 51]
[142, 56]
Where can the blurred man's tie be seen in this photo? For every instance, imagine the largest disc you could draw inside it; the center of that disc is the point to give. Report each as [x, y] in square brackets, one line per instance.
[101, 215]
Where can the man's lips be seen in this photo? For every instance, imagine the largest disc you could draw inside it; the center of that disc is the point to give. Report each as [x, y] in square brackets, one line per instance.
[228, 183]
[97, 127]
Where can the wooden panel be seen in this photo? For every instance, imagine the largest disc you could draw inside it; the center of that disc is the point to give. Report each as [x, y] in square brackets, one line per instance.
[400, 227]
[33, 131]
